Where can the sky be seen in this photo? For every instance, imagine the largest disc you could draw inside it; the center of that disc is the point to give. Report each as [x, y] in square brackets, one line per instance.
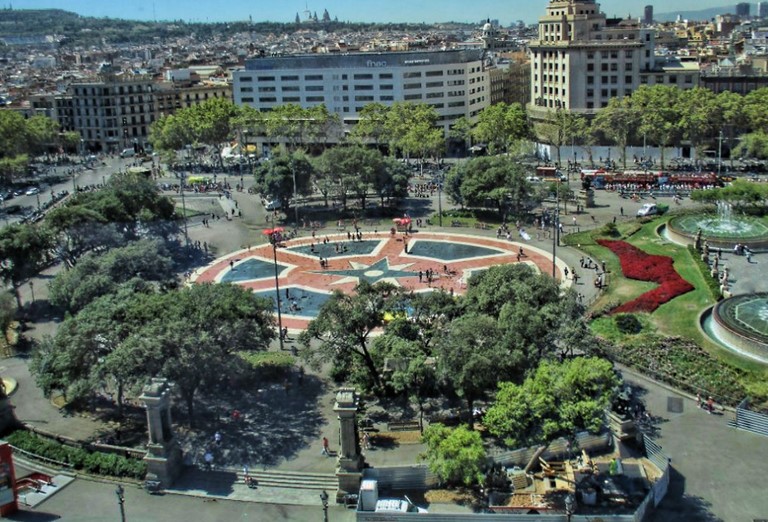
[429, 11]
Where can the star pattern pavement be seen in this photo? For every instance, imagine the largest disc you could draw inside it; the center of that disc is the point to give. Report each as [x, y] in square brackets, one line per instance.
[381, 270]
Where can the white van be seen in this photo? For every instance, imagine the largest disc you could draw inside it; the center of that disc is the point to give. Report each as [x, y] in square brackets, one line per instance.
[649, 209]
[127, 153]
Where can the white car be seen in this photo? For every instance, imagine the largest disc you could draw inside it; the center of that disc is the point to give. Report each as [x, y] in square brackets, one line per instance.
[272, 204]
[32, 191]
[649, 209]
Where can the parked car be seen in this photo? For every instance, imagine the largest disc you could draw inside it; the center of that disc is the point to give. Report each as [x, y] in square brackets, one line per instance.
[31, 191]
[127, 153]
[273, 204]
[649, 209]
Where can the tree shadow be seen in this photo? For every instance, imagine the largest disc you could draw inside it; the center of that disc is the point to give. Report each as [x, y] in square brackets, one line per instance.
[677, 505]
[272, 423]
[216, 483]
[32, 516]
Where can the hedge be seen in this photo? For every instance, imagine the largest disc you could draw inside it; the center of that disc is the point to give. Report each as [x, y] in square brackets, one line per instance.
[80, 459]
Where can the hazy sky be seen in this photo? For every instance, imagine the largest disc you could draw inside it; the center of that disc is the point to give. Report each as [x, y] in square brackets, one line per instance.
[346, 10]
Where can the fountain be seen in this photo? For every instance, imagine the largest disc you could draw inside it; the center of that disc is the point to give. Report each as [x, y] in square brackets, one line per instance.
[720, 230]
[740, 324]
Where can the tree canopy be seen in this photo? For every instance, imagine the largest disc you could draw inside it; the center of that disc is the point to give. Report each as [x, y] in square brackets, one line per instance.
[558, 399]
[118, 341]
[455, 455]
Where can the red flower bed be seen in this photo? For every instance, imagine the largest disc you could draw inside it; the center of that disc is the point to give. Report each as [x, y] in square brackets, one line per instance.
[636, 264]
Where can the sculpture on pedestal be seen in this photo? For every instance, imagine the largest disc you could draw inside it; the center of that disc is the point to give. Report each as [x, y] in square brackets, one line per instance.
[164, 458]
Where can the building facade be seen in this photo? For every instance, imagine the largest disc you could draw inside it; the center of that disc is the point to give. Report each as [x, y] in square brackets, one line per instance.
[173, 96]
[581, 60]
[456, 83]
[114, 112]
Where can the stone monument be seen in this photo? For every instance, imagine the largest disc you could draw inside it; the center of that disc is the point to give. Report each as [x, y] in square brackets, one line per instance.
[164, 458]
[7, 416]
[350, 460]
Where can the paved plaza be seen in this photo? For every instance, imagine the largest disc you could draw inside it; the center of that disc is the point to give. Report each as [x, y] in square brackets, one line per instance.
[419, 262]
[717, 469]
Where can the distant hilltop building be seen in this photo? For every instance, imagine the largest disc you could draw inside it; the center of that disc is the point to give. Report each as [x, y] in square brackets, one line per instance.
[762, 10]
[581, 59]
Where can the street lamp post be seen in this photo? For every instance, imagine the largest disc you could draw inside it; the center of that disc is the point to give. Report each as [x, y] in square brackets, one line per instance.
[273, 239]
[555, 240]
[32, 290]
[440, 203]
[295, 195]
[324, 500]
[120, 492]
[720, 153]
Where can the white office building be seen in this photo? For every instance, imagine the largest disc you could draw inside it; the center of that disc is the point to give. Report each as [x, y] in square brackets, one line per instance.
[456, 82]
[581, 60]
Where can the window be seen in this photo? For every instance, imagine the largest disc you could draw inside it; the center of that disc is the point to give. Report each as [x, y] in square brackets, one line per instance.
[434, 73]
[363, 77]
[266, 89]
[313, 88]
[604, 67]
[385, 76]
[363, 87]
[614, 67]
[246, 78]
[456, 104]
[247, 99]
[590, 80]
[628, 55]
[412, 97]
[604, 93]
[387, 87]
[268, 99]
[628, 79]
[315, 99]
[412, 75]
[590, 93]
[386, 98]
[290, 88]
[590, 67]
[313, 77]
[434, 84]
[412, 86]
[291, 99]
[290, 78]
[266, 78]
[246, 89]
[434, 95]
[614, 80]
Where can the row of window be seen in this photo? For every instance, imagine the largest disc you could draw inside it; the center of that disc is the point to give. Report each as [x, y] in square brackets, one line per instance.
[360, 76]
[108, 91]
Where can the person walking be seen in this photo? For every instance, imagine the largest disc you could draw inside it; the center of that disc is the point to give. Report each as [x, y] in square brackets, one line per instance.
[326, 450]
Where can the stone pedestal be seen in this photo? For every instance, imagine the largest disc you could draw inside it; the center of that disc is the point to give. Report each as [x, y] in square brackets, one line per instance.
[164, 457]
[587, 198]
[350, 461]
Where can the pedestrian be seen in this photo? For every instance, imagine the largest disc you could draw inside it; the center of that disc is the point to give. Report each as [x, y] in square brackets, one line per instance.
[710, 405]
[698, 400]
[236, 417]
[326, 450]
[231, 265]
[208, 459]
[217, 438]
[421, 276]
[621, 211]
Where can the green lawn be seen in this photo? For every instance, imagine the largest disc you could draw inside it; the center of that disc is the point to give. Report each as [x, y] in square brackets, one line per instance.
[677, 318]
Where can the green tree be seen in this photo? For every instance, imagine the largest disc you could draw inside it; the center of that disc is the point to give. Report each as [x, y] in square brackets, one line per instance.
[276, 177]
[617, 121]
[97, 275]
[371, 126]
[560, 128]
[343, 328]
[659, 112]
[470, 358]
[23, 252]
[461, 131]
[455, 455]
[42, 134]
[752, 145]
[7, 312]
[699, 116]
[558, 399]
[500, 125]
[754, 109]
[499, 181]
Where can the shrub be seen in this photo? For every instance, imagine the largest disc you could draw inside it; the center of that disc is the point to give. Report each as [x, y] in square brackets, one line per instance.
[712, 283]
[90, 462]
[269, 365]
[628, 324]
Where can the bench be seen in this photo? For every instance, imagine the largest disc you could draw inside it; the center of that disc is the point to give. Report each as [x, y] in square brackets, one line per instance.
[403, 426]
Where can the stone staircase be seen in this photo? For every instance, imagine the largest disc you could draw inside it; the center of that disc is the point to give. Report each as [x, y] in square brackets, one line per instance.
[265, 478]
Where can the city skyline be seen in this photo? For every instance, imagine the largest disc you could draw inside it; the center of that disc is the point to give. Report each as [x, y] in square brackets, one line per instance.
[381, 11]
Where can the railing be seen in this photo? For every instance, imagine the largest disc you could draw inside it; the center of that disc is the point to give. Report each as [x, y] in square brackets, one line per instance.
[751, 420]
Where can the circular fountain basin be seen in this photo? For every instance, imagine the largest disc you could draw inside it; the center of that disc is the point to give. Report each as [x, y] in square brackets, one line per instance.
[740, 324]
[720, 232]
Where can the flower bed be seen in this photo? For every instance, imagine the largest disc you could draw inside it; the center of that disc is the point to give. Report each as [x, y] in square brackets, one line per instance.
[636, 264]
